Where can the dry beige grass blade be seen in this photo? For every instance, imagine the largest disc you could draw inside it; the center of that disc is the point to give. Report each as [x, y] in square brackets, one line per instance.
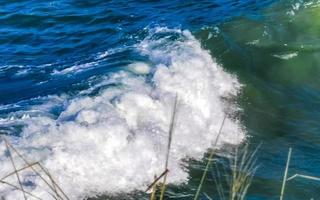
[156, 180]
[171, 129]
[17, 188]
[28, 193]
[18, 170]
[54, 184]
[15, 170]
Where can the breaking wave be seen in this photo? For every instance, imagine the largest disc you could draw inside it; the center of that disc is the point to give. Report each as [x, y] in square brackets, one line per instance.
[116, 140]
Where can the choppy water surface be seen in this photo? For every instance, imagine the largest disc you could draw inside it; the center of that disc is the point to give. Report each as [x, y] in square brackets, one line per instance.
[87, 88]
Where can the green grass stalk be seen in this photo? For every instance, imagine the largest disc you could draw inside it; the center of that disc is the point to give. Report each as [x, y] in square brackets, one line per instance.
[154, 189]
[242, 169]
[204, 175]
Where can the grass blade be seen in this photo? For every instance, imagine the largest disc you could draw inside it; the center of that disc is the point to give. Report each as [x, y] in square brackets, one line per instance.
[204, 175]
[172, 125]
[285, 174]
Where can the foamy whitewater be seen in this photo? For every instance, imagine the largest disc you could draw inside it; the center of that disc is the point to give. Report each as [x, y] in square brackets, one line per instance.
[116, 141]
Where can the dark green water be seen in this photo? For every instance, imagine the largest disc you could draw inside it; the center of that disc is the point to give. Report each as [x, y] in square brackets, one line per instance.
[277, 57]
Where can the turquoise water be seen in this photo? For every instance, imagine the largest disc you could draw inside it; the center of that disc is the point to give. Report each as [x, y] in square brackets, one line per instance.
[277, 58]
[87, 87]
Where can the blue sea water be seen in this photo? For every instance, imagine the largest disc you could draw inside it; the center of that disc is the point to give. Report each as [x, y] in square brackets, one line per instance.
[38, 38]
[76, 73]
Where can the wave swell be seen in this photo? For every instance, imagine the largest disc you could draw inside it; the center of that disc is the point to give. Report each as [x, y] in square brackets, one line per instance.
[116, 141]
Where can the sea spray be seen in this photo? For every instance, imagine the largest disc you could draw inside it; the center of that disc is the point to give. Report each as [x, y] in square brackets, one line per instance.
[116, 141]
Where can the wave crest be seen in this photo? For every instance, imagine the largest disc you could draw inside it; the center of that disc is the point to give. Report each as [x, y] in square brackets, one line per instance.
[116, 141]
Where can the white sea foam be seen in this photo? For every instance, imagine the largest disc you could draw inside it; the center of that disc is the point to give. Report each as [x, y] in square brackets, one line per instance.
[116, 141]
[76, 68]
[139, 68]
[96, 60]
[286, 56]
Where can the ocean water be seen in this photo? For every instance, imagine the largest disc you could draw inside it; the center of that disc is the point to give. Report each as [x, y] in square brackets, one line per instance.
[87, 88]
